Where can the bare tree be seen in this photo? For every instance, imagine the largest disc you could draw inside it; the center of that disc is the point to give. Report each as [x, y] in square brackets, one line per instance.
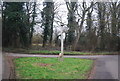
[114, 10]
[84, 8]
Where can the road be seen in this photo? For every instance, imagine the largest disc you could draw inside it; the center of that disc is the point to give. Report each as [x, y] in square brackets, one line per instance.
[106, 66]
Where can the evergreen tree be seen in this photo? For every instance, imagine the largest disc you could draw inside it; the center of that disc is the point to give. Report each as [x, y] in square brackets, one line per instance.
[47, 24]
[14, 29]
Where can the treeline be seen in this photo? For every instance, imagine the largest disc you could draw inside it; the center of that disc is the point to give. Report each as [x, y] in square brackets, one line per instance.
[92, 26]
[18, 20]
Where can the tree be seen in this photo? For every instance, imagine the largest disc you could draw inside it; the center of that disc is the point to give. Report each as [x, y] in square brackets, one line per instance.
[91, 31]
[72, 7]
[17, 24]
[114, 10]
[14, 30]
[30, 19]
[118, 28]
[101, 20]
[84, 9]
[47, 24]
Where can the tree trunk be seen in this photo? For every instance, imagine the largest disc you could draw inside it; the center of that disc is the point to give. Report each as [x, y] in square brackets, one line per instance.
[79, 29]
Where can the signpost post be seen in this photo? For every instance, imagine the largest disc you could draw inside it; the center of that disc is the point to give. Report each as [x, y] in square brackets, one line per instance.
[62, 40]
[62, 37]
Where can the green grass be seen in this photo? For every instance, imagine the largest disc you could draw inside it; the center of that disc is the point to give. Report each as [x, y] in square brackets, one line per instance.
[29, 51]
[71, 52]
[51, 68]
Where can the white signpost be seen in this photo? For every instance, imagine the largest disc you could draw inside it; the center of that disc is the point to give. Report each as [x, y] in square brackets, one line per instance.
[62, 37]
[62, 43]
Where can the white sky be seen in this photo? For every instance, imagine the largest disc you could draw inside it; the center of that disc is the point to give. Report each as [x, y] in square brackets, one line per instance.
[61, 11]
[59, 0]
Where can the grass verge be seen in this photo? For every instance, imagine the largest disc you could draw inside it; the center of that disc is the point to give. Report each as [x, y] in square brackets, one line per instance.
[71, 52]
[51, 68]
[55, 52]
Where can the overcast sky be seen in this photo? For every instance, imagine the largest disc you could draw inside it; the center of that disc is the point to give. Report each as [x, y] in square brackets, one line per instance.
[61, 11]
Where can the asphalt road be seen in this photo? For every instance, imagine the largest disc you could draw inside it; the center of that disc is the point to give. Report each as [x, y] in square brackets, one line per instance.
[106, 66]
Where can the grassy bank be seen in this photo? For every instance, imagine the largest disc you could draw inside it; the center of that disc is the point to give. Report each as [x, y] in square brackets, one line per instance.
[55, 52]
[51, 68]
[71, 52]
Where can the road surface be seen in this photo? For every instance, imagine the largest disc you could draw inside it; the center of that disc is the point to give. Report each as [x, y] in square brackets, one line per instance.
[106, 66]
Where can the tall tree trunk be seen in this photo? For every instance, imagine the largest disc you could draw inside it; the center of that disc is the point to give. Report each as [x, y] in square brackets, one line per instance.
[79, 29]
[51, 20]
[72, 7]
[85, 9]
[33, 22]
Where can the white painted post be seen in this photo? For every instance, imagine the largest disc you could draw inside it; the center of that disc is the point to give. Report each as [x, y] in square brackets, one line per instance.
[62, 37]
[62, 40]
